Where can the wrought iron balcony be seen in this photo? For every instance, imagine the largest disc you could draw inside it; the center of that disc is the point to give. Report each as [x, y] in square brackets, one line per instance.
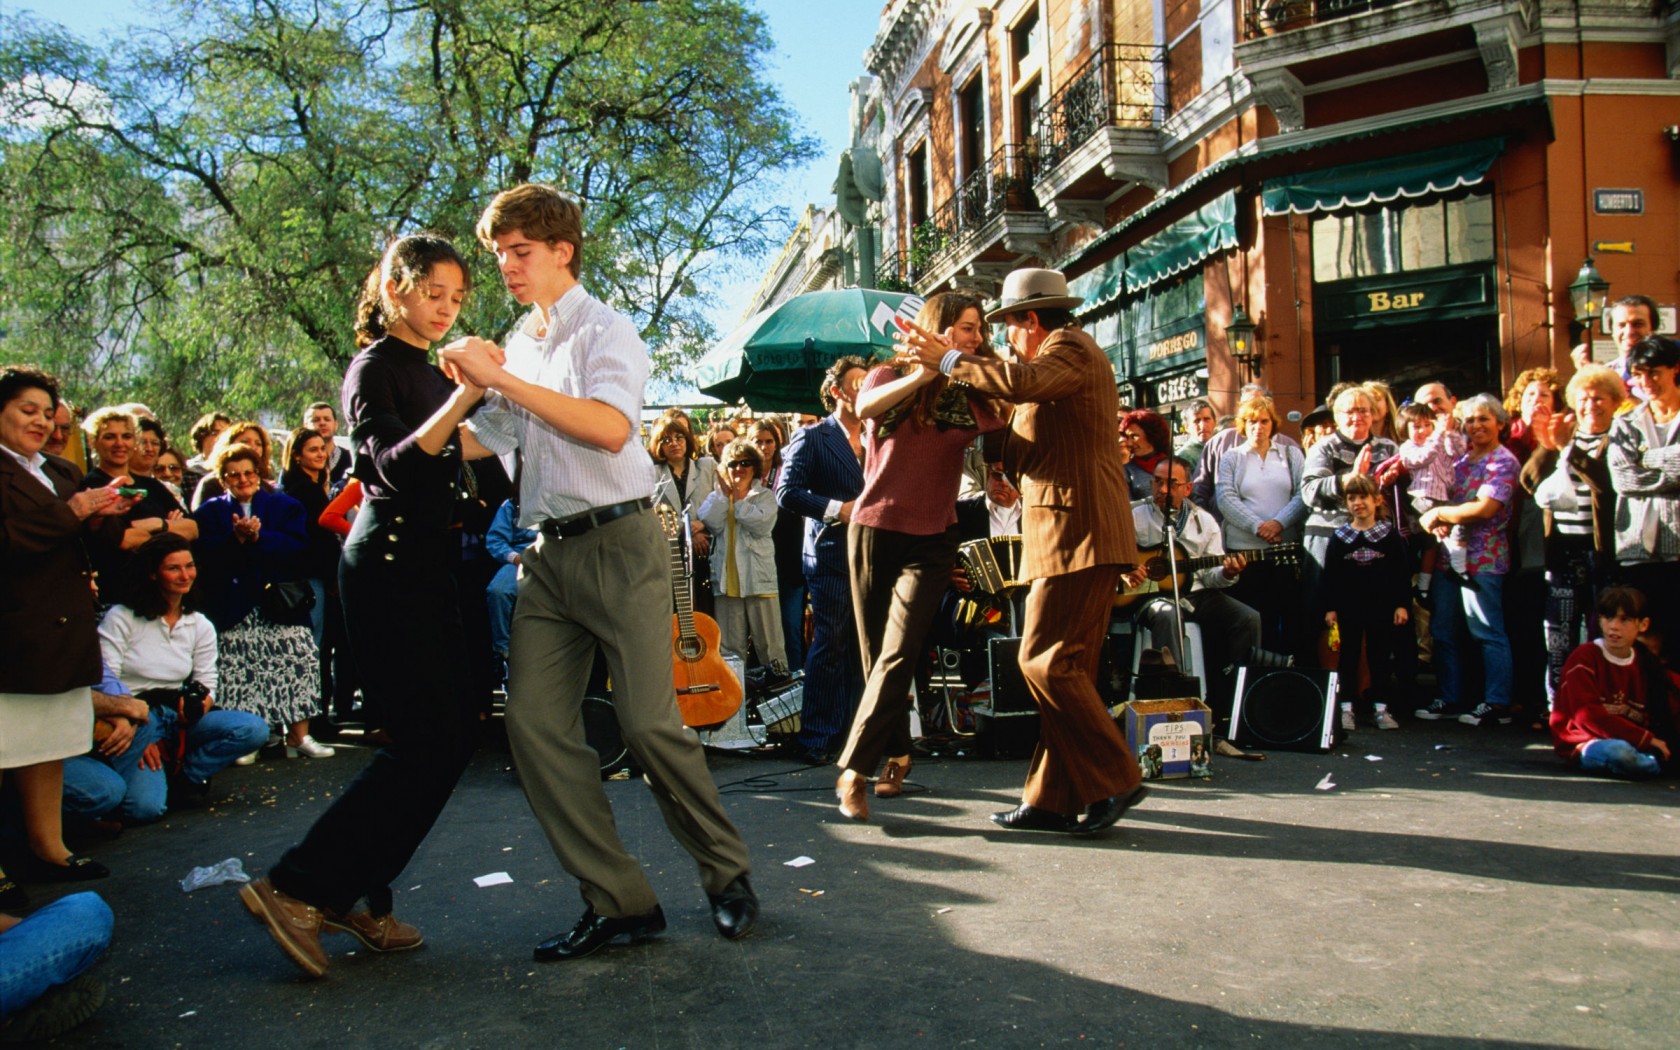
[1121, 85]
[896, 273]
[1002, 184]
[1269, 17]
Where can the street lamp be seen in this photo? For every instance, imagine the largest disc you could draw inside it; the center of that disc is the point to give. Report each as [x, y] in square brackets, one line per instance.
[1588, 293]
[1239, 337]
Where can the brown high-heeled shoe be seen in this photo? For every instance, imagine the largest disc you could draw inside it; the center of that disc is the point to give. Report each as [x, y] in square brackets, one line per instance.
[890, 784]
[853, 792]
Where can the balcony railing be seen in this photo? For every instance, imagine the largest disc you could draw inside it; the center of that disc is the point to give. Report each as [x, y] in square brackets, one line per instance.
[896, 274]
[1120, 86]
[1003, 183]
[1268, 17]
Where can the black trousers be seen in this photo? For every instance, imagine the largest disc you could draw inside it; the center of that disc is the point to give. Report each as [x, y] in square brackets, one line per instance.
[405, 627]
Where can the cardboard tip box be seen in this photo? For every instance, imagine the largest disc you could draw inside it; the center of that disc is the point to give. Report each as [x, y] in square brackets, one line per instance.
[1171, 738]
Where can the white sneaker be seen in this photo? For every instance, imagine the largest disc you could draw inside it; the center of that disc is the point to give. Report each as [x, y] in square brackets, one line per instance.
[1383, 719]
[246, 760]
[308, 748]
[1347, 718]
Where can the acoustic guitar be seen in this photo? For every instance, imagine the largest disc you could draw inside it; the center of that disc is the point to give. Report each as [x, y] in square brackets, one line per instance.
[708, 692]
[1160, 569]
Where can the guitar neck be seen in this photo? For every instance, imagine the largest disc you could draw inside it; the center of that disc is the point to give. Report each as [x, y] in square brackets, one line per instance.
[1282, 551]
[681, 591]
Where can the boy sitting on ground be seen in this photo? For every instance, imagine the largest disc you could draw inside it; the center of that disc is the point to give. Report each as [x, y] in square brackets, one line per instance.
[1616, 706]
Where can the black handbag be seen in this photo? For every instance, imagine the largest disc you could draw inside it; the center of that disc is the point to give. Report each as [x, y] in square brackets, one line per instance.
[287, 604]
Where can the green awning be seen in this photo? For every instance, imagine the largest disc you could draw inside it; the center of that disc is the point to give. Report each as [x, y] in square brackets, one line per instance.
[1368, 182]
[1209, 229]
[1100, 286]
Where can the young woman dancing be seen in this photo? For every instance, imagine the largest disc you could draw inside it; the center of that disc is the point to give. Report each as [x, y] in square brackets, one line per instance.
[400, 608]
[902, 544]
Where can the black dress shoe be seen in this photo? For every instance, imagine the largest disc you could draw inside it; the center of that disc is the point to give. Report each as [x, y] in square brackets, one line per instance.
[735, 910]
[76, 868]
[594, 932]
[12, 897]
[1104, 812]
[1031, 818]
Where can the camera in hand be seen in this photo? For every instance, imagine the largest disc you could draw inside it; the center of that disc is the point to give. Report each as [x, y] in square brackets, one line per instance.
[190, 701]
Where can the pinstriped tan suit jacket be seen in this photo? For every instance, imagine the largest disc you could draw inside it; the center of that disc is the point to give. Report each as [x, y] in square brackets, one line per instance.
[1061, 444]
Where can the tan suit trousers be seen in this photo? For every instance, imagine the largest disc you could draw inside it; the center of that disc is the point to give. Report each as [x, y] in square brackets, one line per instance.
[1081, 755]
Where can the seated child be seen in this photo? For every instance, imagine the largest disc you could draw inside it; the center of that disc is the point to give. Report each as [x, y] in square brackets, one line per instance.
[1616, 706]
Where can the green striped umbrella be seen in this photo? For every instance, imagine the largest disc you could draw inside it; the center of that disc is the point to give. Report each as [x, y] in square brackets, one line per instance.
[776, 359]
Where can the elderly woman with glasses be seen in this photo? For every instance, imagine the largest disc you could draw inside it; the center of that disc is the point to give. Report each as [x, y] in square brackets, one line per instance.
[1479, 500]
[741, 515]
[253, 536]
[1352, 449]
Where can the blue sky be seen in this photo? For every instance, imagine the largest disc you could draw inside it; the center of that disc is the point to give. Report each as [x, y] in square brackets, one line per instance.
[819, 50]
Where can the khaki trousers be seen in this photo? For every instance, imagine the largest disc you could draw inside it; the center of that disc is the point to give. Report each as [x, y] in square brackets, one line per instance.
[610, 586]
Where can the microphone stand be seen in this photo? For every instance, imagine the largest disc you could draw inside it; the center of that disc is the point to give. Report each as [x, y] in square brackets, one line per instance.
[1170, 534]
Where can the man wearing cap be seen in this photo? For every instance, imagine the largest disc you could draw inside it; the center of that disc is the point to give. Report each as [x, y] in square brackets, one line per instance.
[1075, 538]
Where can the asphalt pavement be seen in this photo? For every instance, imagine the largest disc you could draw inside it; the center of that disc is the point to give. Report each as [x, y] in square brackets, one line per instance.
[1444, 887]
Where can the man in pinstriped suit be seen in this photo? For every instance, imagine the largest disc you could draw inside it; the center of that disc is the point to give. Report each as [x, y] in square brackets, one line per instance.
[1076, 535]
[822, 475]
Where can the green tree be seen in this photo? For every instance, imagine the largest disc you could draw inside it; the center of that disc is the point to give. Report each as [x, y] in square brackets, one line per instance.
[189, 213]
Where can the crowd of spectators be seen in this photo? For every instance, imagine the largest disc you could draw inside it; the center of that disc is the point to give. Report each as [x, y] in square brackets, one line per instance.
[168, 614]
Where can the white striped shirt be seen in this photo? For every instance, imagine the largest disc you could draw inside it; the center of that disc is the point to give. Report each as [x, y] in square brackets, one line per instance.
[589, 351]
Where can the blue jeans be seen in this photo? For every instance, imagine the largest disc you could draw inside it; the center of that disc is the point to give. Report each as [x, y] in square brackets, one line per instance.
[50, 947]
[500, 595]
[211, 746]
[318, 614]
[1618, 758]
[1474, 603]
[791, 596]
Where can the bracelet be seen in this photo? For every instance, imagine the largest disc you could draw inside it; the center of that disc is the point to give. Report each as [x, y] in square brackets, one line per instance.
[949, 361]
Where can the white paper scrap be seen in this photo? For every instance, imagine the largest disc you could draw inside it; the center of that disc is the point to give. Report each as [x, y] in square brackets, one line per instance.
[1373, 758]
[1326, 784]
[798, 862]
[495, 878]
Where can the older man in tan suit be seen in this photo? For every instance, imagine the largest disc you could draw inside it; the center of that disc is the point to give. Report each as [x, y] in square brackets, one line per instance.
[1076, 535]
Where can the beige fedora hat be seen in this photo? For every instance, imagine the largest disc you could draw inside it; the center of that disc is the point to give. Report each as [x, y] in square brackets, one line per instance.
[1033, 289]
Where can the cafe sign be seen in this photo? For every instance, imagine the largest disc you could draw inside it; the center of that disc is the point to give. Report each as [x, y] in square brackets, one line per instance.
[1181, 387]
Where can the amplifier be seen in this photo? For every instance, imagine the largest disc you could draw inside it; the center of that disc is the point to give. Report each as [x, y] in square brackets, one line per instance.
[1010, 696]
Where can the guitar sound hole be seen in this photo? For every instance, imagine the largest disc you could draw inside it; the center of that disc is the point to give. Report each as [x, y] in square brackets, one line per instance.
[691, 649]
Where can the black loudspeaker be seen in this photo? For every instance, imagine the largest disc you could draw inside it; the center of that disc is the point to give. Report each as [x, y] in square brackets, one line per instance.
[1284, 710]
[1010, 697]
[1011, 726]
[600, 731]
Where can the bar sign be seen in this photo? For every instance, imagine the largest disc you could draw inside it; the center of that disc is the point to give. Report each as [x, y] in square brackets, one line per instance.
[1618, 202]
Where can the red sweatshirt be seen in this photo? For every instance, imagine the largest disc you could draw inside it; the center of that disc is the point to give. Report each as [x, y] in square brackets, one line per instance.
[1592, 680]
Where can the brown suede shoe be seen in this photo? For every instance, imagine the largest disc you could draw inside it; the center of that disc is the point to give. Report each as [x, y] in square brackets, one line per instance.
[853, 792]
[890, 784]
[294, 925]
[386, 933]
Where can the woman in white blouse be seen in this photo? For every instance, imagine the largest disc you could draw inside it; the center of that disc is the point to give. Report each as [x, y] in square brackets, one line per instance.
[156, 645]
[740, 515]
[1258, 490]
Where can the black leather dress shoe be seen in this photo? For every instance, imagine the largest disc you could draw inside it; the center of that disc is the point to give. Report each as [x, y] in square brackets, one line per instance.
[76, 868]
[594, 932]
[735, 910]
[1031, 818]
[1104, 812]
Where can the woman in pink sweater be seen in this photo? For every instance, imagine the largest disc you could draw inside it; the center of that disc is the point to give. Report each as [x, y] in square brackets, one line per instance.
[902, 543]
